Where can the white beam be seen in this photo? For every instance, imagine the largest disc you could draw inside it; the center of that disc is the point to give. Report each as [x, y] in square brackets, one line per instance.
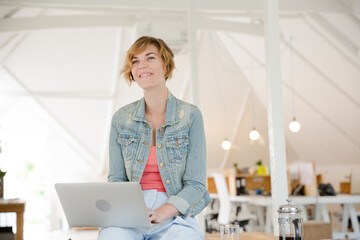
[322, 74]
[81, 21]
[230, 26]
[193, 51]
[64, 95]
[247, 51]
[201, 5]
[158, 13]
[11, 45]
[17, 38]
[7, 41]
[279, 190]
[334, 32]
[11, 12]
[46, 22]
[342, 45]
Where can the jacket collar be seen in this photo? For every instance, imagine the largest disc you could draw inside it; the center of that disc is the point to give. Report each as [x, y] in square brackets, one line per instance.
[172, 110]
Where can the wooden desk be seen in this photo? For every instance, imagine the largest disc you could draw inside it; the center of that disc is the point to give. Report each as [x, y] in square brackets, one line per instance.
[17, 206]
[247, 236]
[252, 182]
[256, 181]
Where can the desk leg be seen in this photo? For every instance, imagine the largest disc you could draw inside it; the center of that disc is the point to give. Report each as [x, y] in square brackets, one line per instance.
[324, 213]
[353, 217]
[246, 212]
[345, 217]
[260, 216]
[305, 215]
[268, 220]
[317, 212]
[19, 226]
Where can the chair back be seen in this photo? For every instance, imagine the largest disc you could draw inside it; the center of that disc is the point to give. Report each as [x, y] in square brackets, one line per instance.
[223, 194]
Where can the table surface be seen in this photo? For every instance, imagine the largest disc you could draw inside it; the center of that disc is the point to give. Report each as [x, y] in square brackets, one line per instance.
[12, 205]
[11, 200]
[302, 200]
[247, 236]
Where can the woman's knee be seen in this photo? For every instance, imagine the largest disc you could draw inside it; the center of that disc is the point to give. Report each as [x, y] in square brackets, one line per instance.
[115, 233]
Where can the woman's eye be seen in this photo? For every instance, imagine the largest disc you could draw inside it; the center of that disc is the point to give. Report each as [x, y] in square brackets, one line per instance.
[151, 58]
[134, 62]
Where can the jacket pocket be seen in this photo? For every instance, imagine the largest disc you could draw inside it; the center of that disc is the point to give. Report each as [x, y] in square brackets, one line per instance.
[129, 145]
[177, 147]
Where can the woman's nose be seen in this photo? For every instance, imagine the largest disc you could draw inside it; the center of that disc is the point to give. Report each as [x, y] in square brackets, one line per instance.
[142, 64]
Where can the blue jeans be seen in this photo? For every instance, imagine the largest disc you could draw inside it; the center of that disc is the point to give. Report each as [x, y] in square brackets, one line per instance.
[175, 228]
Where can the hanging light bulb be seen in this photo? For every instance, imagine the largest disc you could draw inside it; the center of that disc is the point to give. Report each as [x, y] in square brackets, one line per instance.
[294, 126]
[254, 134]
[226, 144]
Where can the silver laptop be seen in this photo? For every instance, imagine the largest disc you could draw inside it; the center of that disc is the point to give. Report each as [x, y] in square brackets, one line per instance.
[107, 204]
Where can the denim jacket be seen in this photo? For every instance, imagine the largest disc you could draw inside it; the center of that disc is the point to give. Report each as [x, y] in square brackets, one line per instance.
[180, 151]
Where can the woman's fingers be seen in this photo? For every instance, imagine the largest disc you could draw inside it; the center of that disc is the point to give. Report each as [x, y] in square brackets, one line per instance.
[154, 217]
[149, 211]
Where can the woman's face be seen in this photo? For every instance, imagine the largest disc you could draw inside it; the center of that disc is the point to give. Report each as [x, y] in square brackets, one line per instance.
[148, 69]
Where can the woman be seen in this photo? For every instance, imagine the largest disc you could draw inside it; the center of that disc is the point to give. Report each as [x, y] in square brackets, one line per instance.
[159, 141]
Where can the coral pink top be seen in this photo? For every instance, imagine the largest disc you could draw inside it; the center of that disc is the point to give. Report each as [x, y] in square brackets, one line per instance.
[151, 178]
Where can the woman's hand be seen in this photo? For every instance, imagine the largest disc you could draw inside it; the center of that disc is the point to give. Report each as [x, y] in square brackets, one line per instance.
[163, 213]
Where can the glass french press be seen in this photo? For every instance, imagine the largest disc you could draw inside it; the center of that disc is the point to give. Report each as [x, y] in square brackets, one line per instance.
[290, 222]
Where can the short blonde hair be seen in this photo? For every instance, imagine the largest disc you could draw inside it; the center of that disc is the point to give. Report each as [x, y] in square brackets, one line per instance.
[140, 45]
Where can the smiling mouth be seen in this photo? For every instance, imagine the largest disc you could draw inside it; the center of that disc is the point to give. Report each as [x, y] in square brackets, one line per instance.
[145, 75]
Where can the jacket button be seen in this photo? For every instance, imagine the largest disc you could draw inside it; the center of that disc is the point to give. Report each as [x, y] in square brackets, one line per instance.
[189, 214]
[161, 164]
[159, 146]
[161, 130]
[167, 181]
[147, 126]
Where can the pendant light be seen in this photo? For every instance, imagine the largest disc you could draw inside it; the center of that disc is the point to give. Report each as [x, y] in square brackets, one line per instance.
[294, 125]
[254, 134]
[226, 144]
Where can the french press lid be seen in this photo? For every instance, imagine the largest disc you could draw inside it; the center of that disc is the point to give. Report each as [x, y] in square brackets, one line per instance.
[289, 208]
